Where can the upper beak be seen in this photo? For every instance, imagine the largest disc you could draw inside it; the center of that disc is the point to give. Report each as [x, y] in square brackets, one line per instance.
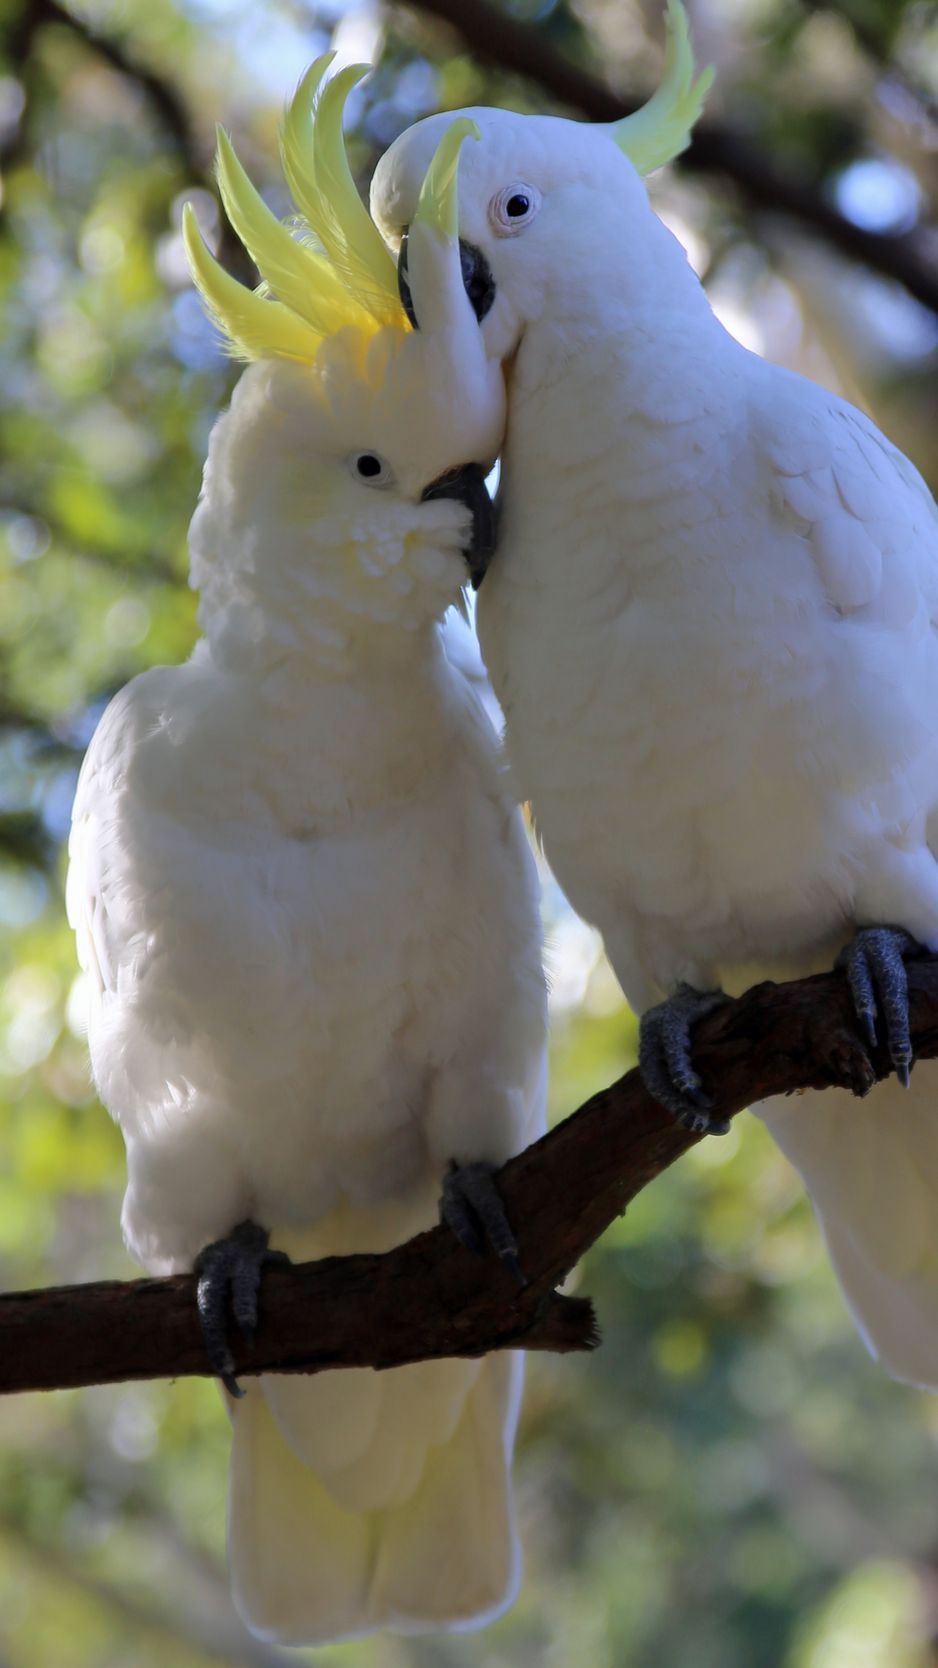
[467, 486]
[477, 279]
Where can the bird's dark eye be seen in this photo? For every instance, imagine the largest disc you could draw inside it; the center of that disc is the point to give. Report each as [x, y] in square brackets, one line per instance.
[514, 207]
[370, 468]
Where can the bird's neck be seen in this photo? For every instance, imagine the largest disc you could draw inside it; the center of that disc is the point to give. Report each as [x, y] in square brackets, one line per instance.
[324, 643]
[618, 398]
[319, 752]
[276, 593]
[633, 284]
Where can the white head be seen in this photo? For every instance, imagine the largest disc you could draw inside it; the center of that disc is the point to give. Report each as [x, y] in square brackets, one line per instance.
[544, 202]
[344, 487]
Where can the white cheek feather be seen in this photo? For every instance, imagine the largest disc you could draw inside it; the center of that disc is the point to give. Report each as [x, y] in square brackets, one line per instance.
[375, 558]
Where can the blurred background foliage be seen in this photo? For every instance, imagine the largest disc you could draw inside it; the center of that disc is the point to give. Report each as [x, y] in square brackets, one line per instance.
[729, 1481]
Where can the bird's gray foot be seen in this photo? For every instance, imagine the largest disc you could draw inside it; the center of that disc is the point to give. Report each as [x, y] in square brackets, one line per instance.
[230, 1269]
[875, 966]
[664, 1058]
[472, 1208]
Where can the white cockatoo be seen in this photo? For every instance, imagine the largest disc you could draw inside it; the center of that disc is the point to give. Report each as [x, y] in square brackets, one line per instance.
[306, 905]
[711, 622]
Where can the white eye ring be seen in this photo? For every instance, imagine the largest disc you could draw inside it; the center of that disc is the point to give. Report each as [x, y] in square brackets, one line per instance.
[514, 207]
[370, 469]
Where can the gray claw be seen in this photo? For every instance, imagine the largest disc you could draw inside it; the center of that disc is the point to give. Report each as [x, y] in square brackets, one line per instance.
[665, 1062]
[472, 1209]
[231, 1267]
[875, 966]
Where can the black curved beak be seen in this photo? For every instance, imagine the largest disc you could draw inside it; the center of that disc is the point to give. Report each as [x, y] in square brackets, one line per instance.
[477, 279]
[467, 486]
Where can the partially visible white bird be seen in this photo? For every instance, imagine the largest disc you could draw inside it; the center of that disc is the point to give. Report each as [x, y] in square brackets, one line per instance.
[712, 623]
[306, 905]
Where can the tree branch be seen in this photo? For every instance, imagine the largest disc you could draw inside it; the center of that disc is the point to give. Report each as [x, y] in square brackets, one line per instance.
[767, 188]
[166, 101]
[430, 1298]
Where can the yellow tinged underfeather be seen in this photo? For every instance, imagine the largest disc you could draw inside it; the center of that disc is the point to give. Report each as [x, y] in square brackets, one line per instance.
[662, 128]
[341, 276]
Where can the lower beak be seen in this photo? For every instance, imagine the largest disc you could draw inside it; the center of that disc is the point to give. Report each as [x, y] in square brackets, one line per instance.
[467, 486]
[477, 279]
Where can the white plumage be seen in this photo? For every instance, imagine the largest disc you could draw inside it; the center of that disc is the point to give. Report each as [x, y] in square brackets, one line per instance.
[305, 902]
[712, 623]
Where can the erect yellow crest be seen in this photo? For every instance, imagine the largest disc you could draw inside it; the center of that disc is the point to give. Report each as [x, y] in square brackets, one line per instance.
[341, 273]
[662, 128]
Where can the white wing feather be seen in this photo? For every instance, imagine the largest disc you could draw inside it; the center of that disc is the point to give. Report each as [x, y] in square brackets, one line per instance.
[284, 1025]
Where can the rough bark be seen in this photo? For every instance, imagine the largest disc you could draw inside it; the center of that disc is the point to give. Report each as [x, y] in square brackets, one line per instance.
[431, 1298]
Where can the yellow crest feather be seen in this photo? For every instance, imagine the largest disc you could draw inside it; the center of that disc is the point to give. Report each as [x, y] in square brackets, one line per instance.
[254, 326]
[662, 128]
[317, 172]
[296, 139]
[345, 228]
[438, 204]
[339, 277]
[303, 280]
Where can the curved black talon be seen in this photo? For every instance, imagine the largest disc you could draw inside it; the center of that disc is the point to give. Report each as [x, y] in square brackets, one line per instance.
[232, 1268]
[874, 962]
[471, 1207]
[664, 1058]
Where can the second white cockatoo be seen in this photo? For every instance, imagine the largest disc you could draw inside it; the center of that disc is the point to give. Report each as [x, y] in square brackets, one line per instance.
[305, 902]
[712, 624]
